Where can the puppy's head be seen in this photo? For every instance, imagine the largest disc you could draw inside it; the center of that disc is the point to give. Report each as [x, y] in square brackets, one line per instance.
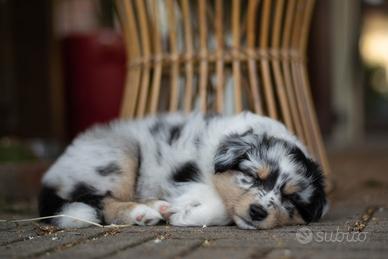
[267, 182]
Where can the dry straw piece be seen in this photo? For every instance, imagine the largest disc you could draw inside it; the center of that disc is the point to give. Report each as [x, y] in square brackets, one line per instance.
[221, 56]
[63, 216]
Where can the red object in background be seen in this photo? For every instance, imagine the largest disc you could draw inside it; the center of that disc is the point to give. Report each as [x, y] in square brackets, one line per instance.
[94, 69]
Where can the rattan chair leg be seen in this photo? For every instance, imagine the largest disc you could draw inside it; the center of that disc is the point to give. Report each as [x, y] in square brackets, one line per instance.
[189, 66]
[133, 79]
[174, 66]
[203, 67]
[265, 70]
[219, 31]
[236, 5]
[285, 65]
[252, 67]
[279, 82]
[146, 52]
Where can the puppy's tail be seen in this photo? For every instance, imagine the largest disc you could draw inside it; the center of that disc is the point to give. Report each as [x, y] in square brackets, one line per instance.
[50, 204]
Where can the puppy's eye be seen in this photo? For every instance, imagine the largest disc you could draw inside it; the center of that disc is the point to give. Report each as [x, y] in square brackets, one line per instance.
[289, 191]
[244, 156]
[244, 180]
[288, 197]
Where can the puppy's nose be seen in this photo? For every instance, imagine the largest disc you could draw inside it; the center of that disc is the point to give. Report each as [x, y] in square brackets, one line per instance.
[257, 212]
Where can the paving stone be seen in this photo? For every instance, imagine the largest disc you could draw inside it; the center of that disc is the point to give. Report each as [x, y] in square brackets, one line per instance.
[229, 241]
[224, 253]
[174, 241]
[333, 241]
[157, 248]
[17, 233]
[41, 244]
[7, 225]
[325, 253]
[105, 245]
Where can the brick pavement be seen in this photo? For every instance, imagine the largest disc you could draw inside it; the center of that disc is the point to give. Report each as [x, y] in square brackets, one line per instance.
[359, 203]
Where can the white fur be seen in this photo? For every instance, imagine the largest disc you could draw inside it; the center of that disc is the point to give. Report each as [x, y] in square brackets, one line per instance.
[77, 210]
[199, 205]
[242, 224]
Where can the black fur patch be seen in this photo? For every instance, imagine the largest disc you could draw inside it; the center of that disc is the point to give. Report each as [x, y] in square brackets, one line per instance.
[109, 169]
[157, 127]
[49, 202]
[88, 195]
[175, 133]
[311, 210]
[265, 143]
[188, 172]
[232, 150]
[139, 157]
[270, 182]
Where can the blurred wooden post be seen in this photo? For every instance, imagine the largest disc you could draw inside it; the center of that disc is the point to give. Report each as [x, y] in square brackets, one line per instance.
[259, 45]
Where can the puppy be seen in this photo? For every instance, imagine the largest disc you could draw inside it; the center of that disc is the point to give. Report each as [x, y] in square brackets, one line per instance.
[190, 170]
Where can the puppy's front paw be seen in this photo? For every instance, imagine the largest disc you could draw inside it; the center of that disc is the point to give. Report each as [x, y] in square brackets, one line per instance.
[163, 207]
[143, 215]
[178, 219]
[188, 215]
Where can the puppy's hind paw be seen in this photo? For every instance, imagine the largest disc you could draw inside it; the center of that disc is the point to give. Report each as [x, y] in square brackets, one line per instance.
[143, 215]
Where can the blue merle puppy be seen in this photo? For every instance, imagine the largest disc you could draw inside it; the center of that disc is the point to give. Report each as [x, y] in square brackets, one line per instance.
[189, 170]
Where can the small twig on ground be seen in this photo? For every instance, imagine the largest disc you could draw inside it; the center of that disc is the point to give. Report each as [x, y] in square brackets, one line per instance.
[63, 216]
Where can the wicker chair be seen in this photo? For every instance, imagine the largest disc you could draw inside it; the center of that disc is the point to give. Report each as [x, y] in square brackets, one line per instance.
[221, 56]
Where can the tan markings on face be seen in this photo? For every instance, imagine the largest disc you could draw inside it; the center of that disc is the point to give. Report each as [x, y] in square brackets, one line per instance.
[272, 220]
[263, 173]
[241, 206]
[277, 218]
[116, 212]
[291, 188]
[125, 188]
[227, 189]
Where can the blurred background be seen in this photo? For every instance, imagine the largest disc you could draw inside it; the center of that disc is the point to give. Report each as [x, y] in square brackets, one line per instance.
[62, 69]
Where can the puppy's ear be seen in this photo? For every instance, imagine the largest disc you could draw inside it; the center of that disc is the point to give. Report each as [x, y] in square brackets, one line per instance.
[232, 150]
[312, 208]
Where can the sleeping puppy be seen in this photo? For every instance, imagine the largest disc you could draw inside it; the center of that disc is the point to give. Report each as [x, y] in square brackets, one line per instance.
[190, 170]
